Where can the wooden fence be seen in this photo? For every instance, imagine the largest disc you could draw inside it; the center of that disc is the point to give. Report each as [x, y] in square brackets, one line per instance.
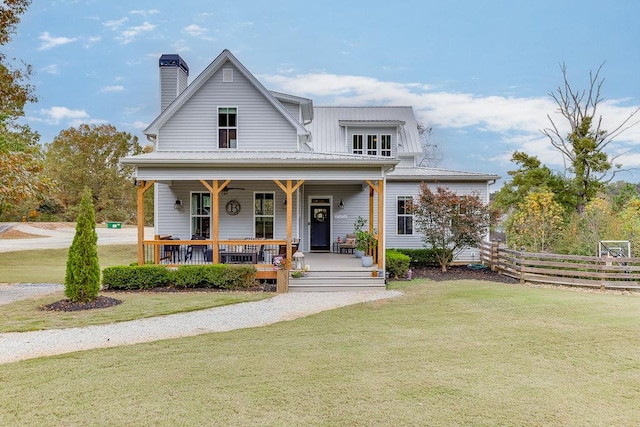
[571, 270]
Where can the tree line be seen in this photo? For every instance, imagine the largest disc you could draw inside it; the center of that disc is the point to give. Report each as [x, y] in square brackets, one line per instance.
[47, 181]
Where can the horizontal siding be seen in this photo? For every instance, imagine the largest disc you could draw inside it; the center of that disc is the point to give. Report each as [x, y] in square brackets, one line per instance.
[241, 226]
[292, 108]
[260, 125]
[395, 189]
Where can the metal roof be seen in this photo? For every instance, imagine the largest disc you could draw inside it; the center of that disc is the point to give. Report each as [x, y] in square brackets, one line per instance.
[436, 174]
[262, 158]
[328, 133]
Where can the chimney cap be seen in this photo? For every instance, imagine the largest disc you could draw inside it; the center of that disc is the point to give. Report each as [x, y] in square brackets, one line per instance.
[173, 60]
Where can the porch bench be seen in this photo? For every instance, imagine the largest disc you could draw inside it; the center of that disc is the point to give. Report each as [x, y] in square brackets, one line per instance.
[239, 257]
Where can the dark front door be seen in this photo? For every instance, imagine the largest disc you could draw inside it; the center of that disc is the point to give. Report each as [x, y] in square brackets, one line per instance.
[320, 228]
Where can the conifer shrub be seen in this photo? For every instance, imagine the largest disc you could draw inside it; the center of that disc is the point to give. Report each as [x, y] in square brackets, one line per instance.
[82, 278]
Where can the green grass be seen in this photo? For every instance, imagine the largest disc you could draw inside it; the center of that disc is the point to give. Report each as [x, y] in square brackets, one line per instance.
[446, 353]
[49, 265]
[25, 315]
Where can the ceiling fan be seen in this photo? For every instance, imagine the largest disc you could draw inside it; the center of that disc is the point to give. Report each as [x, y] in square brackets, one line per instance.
[227, 189]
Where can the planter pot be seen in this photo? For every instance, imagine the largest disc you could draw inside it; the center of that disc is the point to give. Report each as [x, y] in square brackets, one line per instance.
[358, 253]
[367, 261]
[374, 273]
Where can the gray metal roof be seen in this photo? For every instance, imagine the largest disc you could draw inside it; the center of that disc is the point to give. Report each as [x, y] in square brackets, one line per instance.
[436, 174]
[328, 135]
[262, 158]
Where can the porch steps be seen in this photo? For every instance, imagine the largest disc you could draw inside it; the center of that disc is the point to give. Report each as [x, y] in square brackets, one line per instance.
[333, 281]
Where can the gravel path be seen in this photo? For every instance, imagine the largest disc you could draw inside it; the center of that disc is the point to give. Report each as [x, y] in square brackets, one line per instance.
[18, 291]
[15, 346]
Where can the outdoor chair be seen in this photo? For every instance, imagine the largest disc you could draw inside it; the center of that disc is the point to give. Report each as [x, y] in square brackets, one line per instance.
[349, 244]
[189, 254]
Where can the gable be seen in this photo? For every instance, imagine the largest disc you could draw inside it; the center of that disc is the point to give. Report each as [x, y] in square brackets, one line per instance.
[194, 125]
[225, 59]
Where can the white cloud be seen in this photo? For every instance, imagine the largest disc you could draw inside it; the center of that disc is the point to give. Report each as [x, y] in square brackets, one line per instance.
[114, 88]
[195, 30]
[49, 42]
[128, 35]
[55, 115]
[116, 24]
[144, 12]
[139, 125]
[511, 123]
[51, 69]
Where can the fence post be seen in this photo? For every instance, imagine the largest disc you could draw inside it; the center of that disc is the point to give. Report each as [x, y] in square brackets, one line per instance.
[493, 254]
[521, 258]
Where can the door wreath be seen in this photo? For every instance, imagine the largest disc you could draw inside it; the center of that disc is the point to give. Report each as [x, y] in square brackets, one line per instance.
[321, 215]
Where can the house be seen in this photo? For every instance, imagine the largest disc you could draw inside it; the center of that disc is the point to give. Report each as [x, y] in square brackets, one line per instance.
[234, 161]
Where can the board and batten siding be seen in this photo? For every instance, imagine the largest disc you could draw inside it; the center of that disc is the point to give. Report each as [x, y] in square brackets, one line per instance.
[261, 127]
[240, 226]
[414, 241]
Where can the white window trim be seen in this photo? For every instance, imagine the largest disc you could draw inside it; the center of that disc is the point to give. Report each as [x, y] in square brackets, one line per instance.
[237, 127]
[253, 212]
[191, 215]
[397, 215]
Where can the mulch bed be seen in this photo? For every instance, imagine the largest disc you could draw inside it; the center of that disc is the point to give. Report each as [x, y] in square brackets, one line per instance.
[461, 272]
[66, 305]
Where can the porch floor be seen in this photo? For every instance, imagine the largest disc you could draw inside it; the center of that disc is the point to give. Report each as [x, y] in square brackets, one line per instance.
[326, 261]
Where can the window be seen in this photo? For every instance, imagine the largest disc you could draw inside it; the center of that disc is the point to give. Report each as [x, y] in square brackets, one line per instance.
[372, 145]
[264, 215]
[385, 145]
[404, 216]
[201, 214]
[357, 144]
[227, 127]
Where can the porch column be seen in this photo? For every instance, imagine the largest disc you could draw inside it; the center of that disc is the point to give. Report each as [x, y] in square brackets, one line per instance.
[215, 189]
[289, 189]
[377, 188]
[142, 187]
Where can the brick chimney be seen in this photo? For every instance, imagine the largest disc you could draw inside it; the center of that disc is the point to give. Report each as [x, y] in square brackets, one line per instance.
[174, 76]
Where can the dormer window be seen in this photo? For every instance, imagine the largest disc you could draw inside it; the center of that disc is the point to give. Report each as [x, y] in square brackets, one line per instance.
[357, 144]
[227, 127]
[385, 145]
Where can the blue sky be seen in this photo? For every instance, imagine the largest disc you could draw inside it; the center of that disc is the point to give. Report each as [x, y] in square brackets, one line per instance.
[478, 72]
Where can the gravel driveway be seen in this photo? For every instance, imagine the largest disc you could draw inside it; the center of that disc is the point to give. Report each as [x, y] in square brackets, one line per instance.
[15, 346]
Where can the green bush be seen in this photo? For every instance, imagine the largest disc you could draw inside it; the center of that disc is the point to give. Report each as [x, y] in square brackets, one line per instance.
[396, 264]
[423, 257]
[82, 278]
[136, 277]
[221, 276]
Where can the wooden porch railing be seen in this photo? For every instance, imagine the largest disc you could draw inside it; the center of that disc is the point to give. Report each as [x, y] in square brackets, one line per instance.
[570, 270]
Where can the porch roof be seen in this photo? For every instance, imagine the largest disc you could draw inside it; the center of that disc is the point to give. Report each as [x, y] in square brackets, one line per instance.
[256, 158]
[436, 174]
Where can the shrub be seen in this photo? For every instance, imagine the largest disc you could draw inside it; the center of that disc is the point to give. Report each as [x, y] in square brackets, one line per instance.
[396, 264]
[424, 257]
[136, 277]
[199, 276]
[82, 278]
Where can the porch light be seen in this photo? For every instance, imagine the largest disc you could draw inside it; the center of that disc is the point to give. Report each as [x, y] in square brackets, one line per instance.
[341, 205]
[298, 260]
[284, 204]
[178, 204]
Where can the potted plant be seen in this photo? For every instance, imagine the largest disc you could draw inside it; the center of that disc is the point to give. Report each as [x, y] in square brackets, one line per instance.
[358, 228]
[366, 240]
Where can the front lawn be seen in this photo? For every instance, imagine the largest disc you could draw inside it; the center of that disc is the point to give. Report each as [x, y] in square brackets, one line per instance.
[446, 353]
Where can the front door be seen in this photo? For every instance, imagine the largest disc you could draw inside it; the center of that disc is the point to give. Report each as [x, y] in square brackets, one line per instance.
[320, 227]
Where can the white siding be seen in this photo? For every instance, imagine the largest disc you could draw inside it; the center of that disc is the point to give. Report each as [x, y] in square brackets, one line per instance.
[309, 173]
[260, 126]
[241, 226]
[364, 131]
[415, 241]
[292, 108]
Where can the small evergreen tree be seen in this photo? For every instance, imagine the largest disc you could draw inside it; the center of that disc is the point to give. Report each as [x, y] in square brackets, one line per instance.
[82, 280]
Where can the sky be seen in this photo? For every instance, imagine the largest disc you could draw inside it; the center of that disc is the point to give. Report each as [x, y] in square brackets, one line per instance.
[478, 72]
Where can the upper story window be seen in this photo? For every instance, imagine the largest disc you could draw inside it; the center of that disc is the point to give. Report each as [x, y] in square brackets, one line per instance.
[385, 145]
[372, 145]
[357, 144]
[227, 127]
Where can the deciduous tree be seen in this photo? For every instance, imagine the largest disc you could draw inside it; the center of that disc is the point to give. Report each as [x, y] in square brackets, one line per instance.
[450, 222]
[534, 222]
[90, 156]
[584, 147]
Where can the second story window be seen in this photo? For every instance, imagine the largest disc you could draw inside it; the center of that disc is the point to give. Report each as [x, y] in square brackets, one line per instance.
[385, 145]
[227, 127]
[357, 144]
[372, 145]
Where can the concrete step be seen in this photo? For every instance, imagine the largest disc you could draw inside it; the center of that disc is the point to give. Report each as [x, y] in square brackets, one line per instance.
[365, 273]
[333, 284]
